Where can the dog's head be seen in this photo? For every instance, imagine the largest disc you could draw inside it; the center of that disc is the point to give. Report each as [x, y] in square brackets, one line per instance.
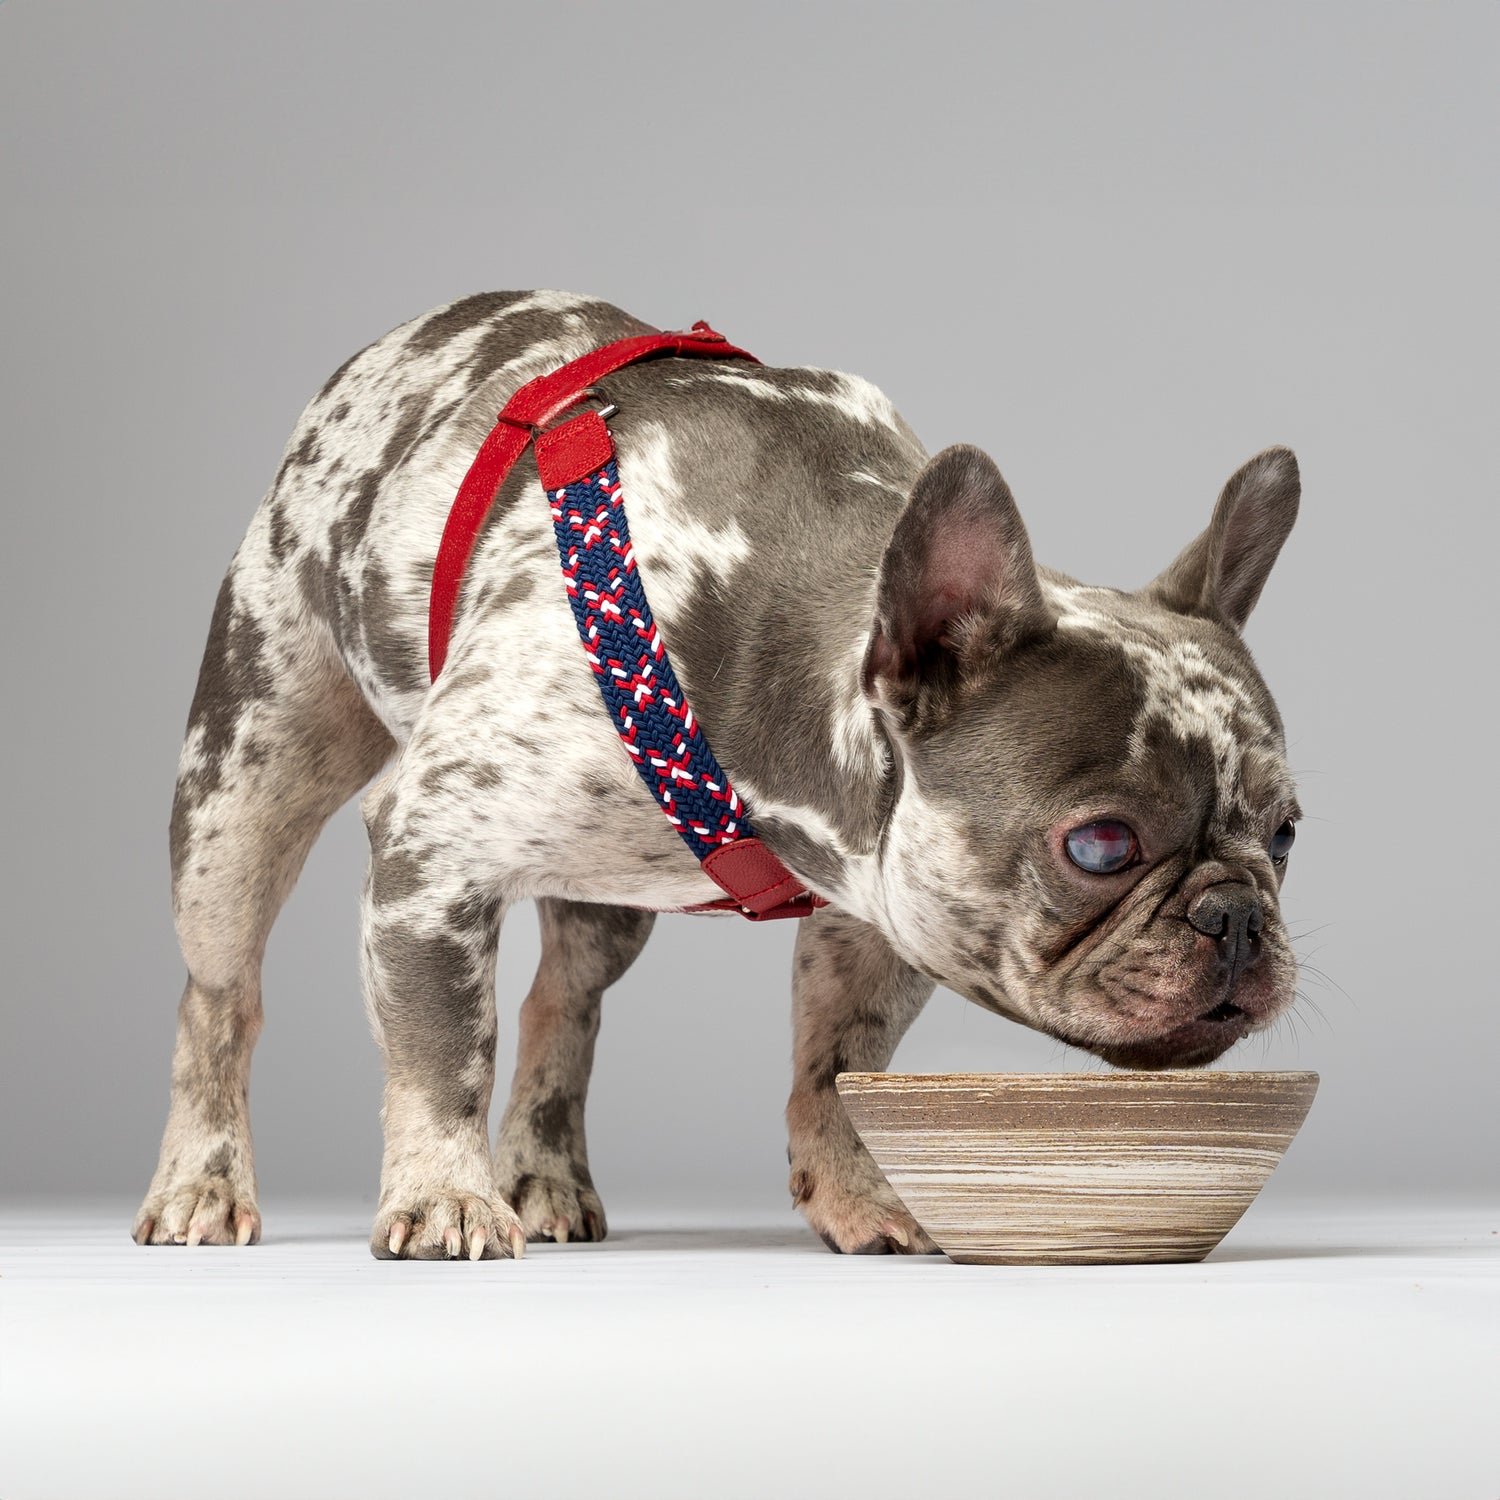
[1093, 809]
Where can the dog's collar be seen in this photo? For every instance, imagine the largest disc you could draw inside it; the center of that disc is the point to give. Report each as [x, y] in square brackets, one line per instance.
[579, 473]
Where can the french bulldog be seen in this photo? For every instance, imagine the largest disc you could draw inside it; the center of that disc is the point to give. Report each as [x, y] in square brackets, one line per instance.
[1069, 803]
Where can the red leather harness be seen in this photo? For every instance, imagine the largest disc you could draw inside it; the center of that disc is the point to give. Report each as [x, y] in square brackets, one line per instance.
[568, 453]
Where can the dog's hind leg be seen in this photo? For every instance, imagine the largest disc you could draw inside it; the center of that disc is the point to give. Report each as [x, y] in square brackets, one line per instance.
[278, 738]
[541, 1161]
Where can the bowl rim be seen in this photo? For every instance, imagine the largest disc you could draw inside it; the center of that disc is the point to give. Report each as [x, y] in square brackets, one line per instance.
[1193, 1077]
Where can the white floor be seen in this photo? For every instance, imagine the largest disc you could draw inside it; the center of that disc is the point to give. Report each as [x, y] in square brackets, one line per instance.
[1319, 1352]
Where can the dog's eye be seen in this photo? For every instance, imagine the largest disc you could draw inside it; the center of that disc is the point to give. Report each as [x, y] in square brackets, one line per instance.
[1102, 848]
[1282, 841]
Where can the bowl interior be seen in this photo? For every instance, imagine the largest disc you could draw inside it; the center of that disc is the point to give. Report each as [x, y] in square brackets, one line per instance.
[1066, 1168]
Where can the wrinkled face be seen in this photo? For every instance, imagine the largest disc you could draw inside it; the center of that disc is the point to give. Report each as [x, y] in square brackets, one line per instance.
[1094, 843]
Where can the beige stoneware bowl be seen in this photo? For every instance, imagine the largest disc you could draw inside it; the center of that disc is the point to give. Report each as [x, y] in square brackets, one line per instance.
[1077, 1168]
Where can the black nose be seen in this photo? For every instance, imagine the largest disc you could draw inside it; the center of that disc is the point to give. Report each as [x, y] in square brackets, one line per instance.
[1230, 913]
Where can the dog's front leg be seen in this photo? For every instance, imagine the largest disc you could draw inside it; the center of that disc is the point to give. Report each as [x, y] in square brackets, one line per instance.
[852, 1001]
[431, 927]
[541, 1159]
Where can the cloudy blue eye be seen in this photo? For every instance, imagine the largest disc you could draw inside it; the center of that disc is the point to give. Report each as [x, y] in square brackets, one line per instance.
[1282, 841]
[1102, 848]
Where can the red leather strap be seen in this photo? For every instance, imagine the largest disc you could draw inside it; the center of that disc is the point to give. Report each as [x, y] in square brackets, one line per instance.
[495, 459]
[533, 406]
[537, 402]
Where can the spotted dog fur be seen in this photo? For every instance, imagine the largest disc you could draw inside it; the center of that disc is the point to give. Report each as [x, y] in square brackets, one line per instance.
[911, 710]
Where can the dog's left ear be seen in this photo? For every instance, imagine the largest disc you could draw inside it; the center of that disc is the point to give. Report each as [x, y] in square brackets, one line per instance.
[1221, 573]
[957, 589]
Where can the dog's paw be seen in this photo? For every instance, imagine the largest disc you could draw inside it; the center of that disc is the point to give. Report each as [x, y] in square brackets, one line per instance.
[870, 1220]
[199, 1211]
[447, 1226]
[554, 1208]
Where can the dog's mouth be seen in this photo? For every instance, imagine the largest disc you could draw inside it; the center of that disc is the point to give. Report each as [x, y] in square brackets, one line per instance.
[1226, 1010]
[1192, 1045]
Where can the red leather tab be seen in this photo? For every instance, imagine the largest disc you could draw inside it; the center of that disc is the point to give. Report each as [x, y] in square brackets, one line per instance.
[799, 906]
[751, 874]
[804, 904]
[572, 449]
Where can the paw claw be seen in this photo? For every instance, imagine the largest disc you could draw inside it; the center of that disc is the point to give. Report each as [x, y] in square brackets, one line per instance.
[449, 1225]
[559, 1208]
[856, 1213]
[198, 1209]
[517, 1242]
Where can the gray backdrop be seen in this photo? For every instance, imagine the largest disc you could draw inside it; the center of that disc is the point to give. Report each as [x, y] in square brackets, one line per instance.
[1122, 247]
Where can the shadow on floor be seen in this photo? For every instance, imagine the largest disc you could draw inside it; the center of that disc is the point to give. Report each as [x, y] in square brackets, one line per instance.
[1344, 1252]
[680, 1240]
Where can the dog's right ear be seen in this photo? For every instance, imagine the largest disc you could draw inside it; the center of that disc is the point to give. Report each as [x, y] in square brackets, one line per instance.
[957, 587]
[1220, 574]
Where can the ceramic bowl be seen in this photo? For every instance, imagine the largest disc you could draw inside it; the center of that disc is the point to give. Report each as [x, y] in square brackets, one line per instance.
[1077, 1168]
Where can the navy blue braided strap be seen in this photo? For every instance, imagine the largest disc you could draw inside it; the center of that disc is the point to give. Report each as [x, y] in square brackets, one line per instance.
[576, 463]
[630, 663]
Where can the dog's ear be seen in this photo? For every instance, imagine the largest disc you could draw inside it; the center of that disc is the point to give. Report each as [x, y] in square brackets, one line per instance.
[1221, 573]
[957, 588]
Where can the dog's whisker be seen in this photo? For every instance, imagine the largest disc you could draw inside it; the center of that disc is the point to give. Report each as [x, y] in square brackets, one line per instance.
[1326, 982]
[1300, 936]
[1312, 1005]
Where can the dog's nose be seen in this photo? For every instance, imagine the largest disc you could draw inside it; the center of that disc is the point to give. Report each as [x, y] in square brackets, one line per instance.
[1231, 914]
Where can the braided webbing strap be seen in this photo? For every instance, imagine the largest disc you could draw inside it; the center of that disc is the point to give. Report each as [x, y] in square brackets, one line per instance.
[635, 676]
[578, 469]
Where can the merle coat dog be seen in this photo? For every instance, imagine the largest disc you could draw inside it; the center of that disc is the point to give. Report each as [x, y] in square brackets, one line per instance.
[1070, 804]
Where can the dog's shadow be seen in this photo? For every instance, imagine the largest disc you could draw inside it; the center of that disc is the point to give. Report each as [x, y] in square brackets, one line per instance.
[706, 1240]
[653, 1239]
[792, 1239]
